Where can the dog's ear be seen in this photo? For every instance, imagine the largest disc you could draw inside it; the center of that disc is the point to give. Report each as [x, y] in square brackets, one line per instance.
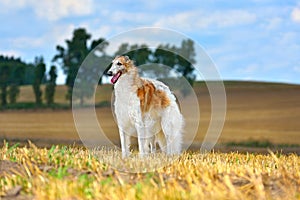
[127, 58]
[128, 61]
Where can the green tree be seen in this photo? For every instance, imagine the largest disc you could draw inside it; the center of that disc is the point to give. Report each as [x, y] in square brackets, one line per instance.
[100, 44]
[99, 56]
[13, 93]
[178, 59]
[140, 54]
[71, 57]
[4, 78]
[14, 64]
[123, 49]
[181, 60]
[164, 55]
[51, 85]
[186, 60]
[40, 69]
[16, 80]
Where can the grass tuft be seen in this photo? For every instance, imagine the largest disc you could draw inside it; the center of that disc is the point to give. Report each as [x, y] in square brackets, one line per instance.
[70, 172]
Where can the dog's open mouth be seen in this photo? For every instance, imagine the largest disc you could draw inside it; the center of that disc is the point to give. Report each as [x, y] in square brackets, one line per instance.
[115, 77]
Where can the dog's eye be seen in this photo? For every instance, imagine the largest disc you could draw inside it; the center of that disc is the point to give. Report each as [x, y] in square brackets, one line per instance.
[119, 64]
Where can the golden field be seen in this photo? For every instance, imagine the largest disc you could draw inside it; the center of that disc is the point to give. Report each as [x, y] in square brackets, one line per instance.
[74, 173]
[257, 111]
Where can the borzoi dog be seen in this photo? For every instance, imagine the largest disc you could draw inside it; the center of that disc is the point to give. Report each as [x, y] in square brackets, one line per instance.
[144, 107]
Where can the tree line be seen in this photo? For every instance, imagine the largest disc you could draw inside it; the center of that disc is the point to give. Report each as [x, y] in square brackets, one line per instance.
[69, 57]
[15, 73]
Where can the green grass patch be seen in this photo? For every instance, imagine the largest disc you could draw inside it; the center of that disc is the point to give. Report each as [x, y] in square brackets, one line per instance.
[259, 144]
[33, 106]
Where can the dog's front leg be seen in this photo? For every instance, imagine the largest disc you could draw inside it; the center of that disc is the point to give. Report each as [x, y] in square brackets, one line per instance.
[142, 140]
[125, 143]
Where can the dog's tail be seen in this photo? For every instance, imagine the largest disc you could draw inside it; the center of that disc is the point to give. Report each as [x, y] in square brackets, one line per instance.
[172, 124]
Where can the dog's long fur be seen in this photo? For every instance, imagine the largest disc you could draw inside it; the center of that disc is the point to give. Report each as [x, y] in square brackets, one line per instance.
[144, 107]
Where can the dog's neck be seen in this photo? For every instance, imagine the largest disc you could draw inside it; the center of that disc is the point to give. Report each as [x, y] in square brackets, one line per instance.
[129, 81]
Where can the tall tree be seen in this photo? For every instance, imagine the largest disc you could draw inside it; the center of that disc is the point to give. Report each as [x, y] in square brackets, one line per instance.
[101, 44]
[140, 54]
[13, 93]
[40, 69]
[178, 59]
[50, 87]
[71, 57]
[99, 55]
[123, 49]
[164, 55]
[16, 80]
[186, 59]
[4, 78]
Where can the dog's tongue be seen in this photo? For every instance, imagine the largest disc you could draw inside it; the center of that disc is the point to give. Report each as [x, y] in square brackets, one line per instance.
[115, 78]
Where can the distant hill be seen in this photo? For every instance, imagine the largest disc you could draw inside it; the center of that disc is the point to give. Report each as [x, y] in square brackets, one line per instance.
[104, 91]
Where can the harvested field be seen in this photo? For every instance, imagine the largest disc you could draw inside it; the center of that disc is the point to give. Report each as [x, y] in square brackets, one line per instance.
[73, 173]
[256, 111]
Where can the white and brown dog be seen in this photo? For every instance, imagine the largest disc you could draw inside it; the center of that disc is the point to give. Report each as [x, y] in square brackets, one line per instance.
[143, 107]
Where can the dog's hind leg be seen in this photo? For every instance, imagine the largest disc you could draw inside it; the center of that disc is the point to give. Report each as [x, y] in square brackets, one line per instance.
[142, 141]
[150, 130]
[161, 140]
[146, 141]
[172, 123]
[152, 144]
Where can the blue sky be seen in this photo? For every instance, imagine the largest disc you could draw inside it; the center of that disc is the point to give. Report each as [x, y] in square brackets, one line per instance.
[247, 40]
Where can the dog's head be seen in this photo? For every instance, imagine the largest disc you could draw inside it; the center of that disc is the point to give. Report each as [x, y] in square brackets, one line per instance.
[120, 65]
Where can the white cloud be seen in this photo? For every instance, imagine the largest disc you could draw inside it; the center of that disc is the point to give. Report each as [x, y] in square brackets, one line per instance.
[57, 35]
[295, 15]
[51, 9]
[198, 19]
[121, 16]
[56, 9]
[7, 5]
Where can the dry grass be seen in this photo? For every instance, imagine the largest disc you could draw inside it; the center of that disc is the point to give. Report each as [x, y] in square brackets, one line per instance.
[73, 173]
[103, 93]
[255, 111]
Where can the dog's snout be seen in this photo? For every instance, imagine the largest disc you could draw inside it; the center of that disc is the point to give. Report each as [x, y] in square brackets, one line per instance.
[109, 73]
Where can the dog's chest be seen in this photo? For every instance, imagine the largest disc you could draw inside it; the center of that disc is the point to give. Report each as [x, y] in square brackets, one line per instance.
[126, 106]
[126, 100]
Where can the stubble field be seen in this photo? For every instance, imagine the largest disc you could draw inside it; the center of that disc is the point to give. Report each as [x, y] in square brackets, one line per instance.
[74, 173]
[257, 111]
